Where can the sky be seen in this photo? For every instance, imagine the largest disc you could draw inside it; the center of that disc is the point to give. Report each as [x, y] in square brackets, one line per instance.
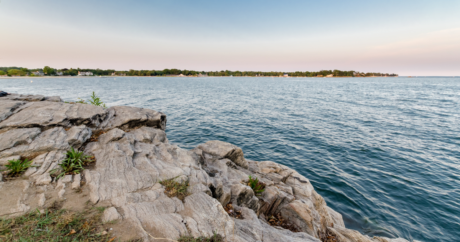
[406, 37]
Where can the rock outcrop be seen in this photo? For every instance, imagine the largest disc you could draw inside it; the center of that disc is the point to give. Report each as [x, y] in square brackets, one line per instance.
[133, 156]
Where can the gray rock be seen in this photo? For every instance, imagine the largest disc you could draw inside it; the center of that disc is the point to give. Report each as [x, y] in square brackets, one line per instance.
[76, 181]
[110, 214]
[45, 114]
[78, 135]
[52, 139]
[243, 196]
[336, 218]
[41, 199]
[127, 118]
[272, 199]
[8, 107]
[303, 215]
[209, 214]
[53, 99]
[4, 161]
[222, 150]
[24, 97]
[16, 137]
[30, 171]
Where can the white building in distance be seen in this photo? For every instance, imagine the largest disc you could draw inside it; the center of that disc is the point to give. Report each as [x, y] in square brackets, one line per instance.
[85, 73]
[38, 73]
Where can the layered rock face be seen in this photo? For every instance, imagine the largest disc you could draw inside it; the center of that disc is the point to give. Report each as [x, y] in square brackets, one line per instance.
[133, 156]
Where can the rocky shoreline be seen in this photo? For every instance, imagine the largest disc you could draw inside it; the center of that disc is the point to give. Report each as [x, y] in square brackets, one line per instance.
[133, 156]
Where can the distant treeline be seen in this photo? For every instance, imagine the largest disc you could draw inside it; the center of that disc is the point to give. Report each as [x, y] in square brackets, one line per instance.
[19, 71]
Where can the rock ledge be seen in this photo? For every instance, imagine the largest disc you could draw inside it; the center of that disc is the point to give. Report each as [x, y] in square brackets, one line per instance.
[133, 155]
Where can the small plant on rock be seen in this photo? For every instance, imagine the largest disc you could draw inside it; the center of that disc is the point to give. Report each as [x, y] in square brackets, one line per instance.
[73, 164]
[81, 101]
[95, 100]
[176, 189]
[257, 186]
[16, 167]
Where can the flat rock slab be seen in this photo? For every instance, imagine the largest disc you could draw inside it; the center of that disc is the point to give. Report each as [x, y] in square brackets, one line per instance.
[8, 107]
[43, 114]
[126, 118]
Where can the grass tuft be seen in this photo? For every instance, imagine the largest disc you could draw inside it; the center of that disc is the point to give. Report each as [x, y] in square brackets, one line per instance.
[257, 186]
[54, 225]
[16, 167]
[73, 164]
[176, 189]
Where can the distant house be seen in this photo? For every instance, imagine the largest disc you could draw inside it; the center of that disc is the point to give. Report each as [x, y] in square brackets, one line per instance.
[85, 73]
[286, 75]
[319, 76]
[38, 73]
[202, 75]
[181, 75]
[59, 73]
[330, 75]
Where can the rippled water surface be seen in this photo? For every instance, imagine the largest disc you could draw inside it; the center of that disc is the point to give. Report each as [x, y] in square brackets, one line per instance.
[384, 152]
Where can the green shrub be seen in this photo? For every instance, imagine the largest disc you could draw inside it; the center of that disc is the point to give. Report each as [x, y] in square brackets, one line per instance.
[73, 164]
[16, 167]
[257, 186]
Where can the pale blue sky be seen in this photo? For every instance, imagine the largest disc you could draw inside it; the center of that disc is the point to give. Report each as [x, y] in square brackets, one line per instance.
[407, 37]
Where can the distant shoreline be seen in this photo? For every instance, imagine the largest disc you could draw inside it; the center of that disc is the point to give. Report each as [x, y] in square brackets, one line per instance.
[39, 77]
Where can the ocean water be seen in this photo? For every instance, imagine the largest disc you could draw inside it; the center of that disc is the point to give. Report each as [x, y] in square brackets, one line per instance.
[384, 152]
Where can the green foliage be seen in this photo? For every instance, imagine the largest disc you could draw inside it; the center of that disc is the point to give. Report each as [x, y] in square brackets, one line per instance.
[16, 72]
[257, 186]
[96, 101]
[81, 101]
[98, 72]
[49, 71]
[214, 238]
[54, 225]
[16, 167]
[176, 189]
[73, 164]
[2, 73]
